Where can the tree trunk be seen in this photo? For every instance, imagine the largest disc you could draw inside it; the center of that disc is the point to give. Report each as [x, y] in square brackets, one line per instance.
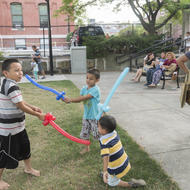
[150, 27]
[151, 31]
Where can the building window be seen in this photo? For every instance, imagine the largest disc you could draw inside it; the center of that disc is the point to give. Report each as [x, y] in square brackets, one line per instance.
[20, 44]
[42, 44]
[16, 12]
[43, 14]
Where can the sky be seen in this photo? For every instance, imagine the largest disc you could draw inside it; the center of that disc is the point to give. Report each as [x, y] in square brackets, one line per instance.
[106, 14]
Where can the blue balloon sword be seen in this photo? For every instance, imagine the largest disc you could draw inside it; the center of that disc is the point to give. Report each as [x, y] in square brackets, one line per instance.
[104, 107]
[59, 95]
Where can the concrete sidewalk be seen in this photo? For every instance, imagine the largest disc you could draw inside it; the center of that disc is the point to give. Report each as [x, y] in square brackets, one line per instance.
[153, 118]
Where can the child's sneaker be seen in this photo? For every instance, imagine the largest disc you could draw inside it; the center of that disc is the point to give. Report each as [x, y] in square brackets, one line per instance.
[137, 183]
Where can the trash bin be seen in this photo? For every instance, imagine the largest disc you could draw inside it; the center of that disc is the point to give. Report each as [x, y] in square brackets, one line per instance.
[78, 59]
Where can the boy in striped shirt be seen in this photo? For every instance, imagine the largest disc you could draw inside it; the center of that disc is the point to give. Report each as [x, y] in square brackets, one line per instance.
[12, 120]
[115, 161]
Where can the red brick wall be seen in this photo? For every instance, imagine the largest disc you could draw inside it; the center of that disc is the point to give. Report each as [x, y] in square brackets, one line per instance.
[31, 18]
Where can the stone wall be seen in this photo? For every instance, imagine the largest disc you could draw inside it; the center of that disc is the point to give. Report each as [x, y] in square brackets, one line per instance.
[62, 64]
[106, 64]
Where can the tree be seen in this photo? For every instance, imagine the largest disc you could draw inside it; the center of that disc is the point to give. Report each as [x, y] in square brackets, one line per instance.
[178, 17]
[147, 11]
[75, 9]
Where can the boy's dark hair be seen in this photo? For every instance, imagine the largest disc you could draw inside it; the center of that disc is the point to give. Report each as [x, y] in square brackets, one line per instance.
[7, 63]
[94, 72]
[34, 46]
[108, 123]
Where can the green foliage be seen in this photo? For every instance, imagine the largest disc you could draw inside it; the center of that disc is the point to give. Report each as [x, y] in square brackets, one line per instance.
[146, 11]
[138, 29]
[75, 9]
[69, 36]
[98, 47]
[1, 56]
[170, 7]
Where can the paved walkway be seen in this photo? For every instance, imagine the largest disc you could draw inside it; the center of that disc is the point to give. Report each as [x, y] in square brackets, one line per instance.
[153, 118]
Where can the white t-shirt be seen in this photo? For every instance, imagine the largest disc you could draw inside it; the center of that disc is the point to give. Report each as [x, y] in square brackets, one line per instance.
[187, 38]
[34, 66]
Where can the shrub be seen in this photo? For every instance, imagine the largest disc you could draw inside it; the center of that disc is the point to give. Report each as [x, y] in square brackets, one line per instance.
[99, 46]
[96, 46]
[1, 56]
[69, 36]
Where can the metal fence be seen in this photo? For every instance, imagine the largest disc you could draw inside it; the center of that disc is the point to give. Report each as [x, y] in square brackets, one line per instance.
[23, 37]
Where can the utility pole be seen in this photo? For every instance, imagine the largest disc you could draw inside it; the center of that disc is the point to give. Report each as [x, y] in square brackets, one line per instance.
[50, 39]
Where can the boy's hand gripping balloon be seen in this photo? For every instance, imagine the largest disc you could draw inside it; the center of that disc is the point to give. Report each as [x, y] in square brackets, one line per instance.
[59, 95]
[49, 119]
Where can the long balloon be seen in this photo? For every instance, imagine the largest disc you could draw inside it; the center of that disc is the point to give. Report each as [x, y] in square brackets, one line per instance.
[49, 119]
[117, 83]
[75, 139]
[59, 95]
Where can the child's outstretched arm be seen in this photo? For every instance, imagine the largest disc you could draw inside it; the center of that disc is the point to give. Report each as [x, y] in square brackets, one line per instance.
[77, 99]
[32, 110]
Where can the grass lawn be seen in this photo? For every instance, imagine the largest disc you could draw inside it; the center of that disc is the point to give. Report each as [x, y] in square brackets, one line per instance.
[58, 158]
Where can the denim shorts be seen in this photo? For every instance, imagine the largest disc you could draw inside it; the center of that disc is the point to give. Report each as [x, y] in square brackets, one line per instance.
[113, 180]
[188, 54]
[40, 68]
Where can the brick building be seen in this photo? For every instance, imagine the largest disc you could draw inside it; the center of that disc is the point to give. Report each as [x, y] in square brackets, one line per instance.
[25, 22]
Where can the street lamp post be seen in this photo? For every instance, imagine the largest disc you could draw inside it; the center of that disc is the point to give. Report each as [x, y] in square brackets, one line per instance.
[50, 40]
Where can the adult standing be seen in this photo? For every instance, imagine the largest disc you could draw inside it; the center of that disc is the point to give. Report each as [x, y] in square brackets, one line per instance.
[185, 92]
[37, 58]
[187, 38]
[181, 62]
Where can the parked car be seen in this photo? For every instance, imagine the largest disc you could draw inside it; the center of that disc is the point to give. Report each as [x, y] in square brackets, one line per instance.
[84, 31]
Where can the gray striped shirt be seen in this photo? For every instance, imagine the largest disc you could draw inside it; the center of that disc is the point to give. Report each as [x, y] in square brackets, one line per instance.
[12, 119]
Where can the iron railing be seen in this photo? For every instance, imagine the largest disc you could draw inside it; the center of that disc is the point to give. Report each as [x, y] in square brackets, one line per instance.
[165, 45]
